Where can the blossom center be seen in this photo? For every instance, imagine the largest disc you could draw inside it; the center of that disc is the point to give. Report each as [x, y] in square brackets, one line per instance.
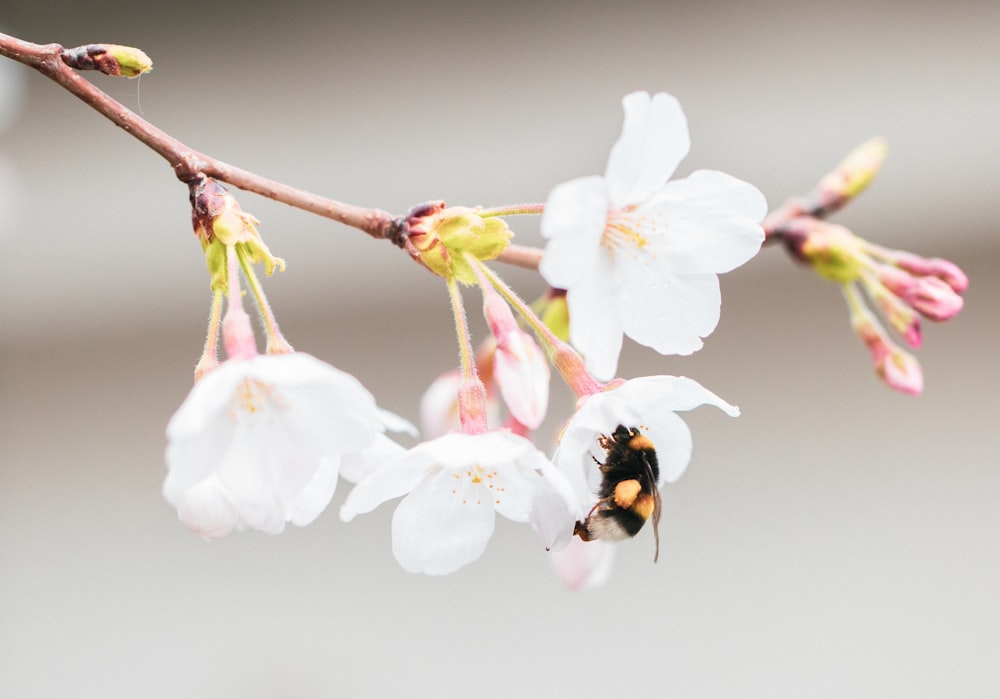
[250, 398]
[476, 486]
[626, 231]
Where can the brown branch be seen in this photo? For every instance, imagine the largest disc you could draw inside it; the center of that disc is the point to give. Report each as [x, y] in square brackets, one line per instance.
[188, 164]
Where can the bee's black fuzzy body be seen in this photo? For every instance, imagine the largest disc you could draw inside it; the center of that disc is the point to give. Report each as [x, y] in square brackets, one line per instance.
[628, 494]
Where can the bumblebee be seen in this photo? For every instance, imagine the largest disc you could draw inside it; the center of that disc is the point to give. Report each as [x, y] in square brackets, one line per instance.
[628, 494]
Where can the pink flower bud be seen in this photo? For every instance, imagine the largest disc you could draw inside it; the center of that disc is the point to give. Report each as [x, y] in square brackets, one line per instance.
[900, 370]
[472, 405]
[519, 365]
[522, 372]
[900, 315]
[935, 298]
[945, 270]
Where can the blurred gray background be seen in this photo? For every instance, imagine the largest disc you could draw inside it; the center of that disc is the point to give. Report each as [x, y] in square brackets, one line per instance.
[836, 540]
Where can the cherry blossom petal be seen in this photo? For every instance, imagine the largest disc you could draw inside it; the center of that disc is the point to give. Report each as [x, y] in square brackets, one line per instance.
[390, 481]
[555, 510]
[358, 465]
[204, 509]
[522, 373]
[397, 423]
[517, 484]
[307, 505]
[584, 565]
[710, 222]
[575, 215]
[676, 393]
[687, 308]
[654, 140]
[436, 531]
[596, 322]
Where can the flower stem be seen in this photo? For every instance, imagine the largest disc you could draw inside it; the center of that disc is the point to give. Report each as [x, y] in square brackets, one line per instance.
[521, 256]
[210, 355]
[513, 210]
[276, 343]
[472, 392]
[565, 359]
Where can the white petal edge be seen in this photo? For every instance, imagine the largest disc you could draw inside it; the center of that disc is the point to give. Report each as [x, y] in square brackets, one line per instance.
[573, 224]
[653, 142]
[390, 481]
[712, 223]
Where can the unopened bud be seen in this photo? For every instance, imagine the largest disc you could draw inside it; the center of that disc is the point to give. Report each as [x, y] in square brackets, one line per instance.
[520, 368]
[931, 296]
[896, 368]
[935, 298]
[832, 250]
[852, 175]
[885, 292]
[945, 270]
[439, 404]
[901, 371]
[554, 312]
[110, 59]
[472, 405]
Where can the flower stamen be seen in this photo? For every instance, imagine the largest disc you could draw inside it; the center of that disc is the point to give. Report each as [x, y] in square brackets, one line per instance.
[251, 396]
[621, 233]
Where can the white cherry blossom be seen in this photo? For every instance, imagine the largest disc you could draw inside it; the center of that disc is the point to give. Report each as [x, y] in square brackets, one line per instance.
[640, 255]
[259, 442]
[454, 486]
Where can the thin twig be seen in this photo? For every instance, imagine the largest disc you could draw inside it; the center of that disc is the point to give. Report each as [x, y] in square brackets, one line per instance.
[187, 163]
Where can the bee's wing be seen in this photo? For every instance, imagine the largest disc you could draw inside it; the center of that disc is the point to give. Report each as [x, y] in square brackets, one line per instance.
[651, 479]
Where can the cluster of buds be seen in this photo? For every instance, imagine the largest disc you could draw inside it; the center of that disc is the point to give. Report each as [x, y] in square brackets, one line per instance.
[902, 285]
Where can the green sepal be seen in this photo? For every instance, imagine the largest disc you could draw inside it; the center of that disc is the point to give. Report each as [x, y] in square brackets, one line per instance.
[468, 233]
[215, 258]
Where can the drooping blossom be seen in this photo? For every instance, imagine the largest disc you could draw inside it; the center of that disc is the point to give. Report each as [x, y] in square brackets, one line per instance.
[639, 255]
[259, 442]
[453, 488]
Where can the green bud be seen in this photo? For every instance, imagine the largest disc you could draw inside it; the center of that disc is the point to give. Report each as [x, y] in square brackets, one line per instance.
[131, 61]
[443, 236]
[855, 172]
[553, 311]
[110, 59]
[833, 251]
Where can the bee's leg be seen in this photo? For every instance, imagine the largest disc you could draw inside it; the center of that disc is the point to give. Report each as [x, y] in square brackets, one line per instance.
[580, 530]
